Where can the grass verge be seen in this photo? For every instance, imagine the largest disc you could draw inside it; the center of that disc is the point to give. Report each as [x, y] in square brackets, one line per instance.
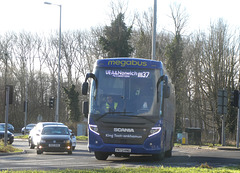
[81, 138]
[8, 148]
[202, 169]
[21, 137]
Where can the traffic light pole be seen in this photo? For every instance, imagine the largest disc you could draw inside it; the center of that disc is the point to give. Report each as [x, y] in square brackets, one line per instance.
[223, 130]
[222, 110]
[6, 115]
[238, 123]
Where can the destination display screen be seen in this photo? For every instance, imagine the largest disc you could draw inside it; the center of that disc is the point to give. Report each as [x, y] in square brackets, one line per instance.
[127, 74]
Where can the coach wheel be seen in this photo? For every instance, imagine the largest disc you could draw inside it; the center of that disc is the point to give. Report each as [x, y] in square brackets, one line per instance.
[101, 155]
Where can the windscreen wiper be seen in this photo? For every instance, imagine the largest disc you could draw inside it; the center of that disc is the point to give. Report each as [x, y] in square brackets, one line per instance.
[107, 113]
[137, 116]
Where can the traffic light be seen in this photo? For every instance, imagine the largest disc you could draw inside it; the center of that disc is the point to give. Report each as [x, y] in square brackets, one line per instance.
[25, 106]
[51, 102]
[234, 98]
[10, 101]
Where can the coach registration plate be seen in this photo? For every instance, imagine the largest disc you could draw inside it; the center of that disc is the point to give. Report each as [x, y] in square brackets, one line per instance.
[123, 150]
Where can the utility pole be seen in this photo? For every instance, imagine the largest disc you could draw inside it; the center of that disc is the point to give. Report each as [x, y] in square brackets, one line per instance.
[26, 95]
[238, 123]
[6, 102]
[59, 61]
[7, 90]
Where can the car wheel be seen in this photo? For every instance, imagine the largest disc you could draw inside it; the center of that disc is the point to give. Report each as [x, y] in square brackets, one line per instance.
[39, 152]
[11, 141]
[32, 146]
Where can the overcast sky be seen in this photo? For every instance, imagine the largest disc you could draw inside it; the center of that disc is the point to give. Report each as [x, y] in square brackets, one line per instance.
[35, 16]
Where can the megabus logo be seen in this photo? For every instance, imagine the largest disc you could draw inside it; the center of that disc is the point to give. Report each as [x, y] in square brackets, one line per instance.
[124, 63]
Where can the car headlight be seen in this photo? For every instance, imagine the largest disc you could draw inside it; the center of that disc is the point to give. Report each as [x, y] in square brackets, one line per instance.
[94, 129]
[154, 131]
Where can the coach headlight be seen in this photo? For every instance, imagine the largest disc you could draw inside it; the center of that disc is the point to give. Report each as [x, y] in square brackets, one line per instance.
[154, 131]
[94, 129]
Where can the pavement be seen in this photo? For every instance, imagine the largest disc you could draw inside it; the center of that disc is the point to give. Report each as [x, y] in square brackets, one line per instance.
[210, 148]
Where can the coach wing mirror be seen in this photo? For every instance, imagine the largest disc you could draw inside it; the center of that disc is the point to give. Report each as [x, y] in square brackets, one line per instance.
[166, 88]
[84, 88]
[166, 91]
[85, 108]
[85, 84]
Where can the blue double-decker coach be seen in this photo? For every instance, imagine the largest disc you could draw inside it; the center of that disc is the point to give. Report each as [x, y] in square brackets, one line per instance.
[131, 108]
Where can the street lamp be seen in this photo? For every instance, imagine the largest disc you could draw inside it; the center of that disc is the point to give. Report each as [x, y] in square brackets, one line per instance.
[154, 31]
[59, 58]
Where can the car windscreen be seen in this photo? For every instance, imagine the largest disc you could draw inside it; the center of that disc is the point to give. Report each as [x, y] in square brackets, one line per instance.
[55, 131]
[2, 128]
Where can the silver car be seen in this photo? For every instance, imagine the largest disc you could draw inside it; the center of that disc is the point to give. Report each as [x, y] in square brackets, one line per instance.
[27, 129]
[74, 140]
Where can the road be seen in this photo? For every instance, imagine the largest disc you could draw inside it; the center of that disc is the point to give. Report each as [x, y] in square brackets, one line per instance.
[82, 159]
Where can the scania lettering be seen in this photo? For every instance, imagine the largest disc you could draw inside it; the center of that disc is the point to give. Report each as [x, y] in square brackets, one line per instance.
[143, 119]
[123, 130]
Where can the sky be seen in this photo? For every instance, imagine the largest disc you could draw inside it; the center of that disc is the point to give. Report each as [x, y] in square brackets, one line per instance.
[35, 16]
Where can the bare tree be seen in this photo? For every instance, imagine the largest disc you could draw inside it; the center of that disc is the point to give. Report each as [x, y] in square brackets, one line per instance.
[177, 66]
[219, 64]
[180, 18]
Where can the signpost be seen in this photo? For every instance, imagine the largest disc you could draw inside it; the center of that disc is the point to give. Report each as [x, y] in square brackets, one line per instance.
[222, 109]
[238, 123]
[222, 102]
[9, 99]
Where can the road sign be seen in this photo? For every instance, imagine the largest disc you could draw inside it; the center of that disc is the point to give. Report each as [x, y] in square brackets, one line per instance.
[222, 102]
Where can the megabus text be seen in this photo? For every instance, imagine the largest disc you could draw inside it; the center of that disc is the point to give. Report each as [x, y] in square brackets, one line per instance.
[123, 63]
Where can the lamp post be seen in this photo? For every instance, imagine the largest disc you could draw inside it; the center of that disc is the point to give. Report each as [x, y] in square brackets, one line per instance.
[154, 31]
[59, 58]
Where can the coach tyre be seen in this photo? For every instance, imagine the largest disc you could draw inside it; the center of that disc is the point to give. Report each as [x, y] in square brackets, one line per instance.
[168, 153]
[101, 155]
